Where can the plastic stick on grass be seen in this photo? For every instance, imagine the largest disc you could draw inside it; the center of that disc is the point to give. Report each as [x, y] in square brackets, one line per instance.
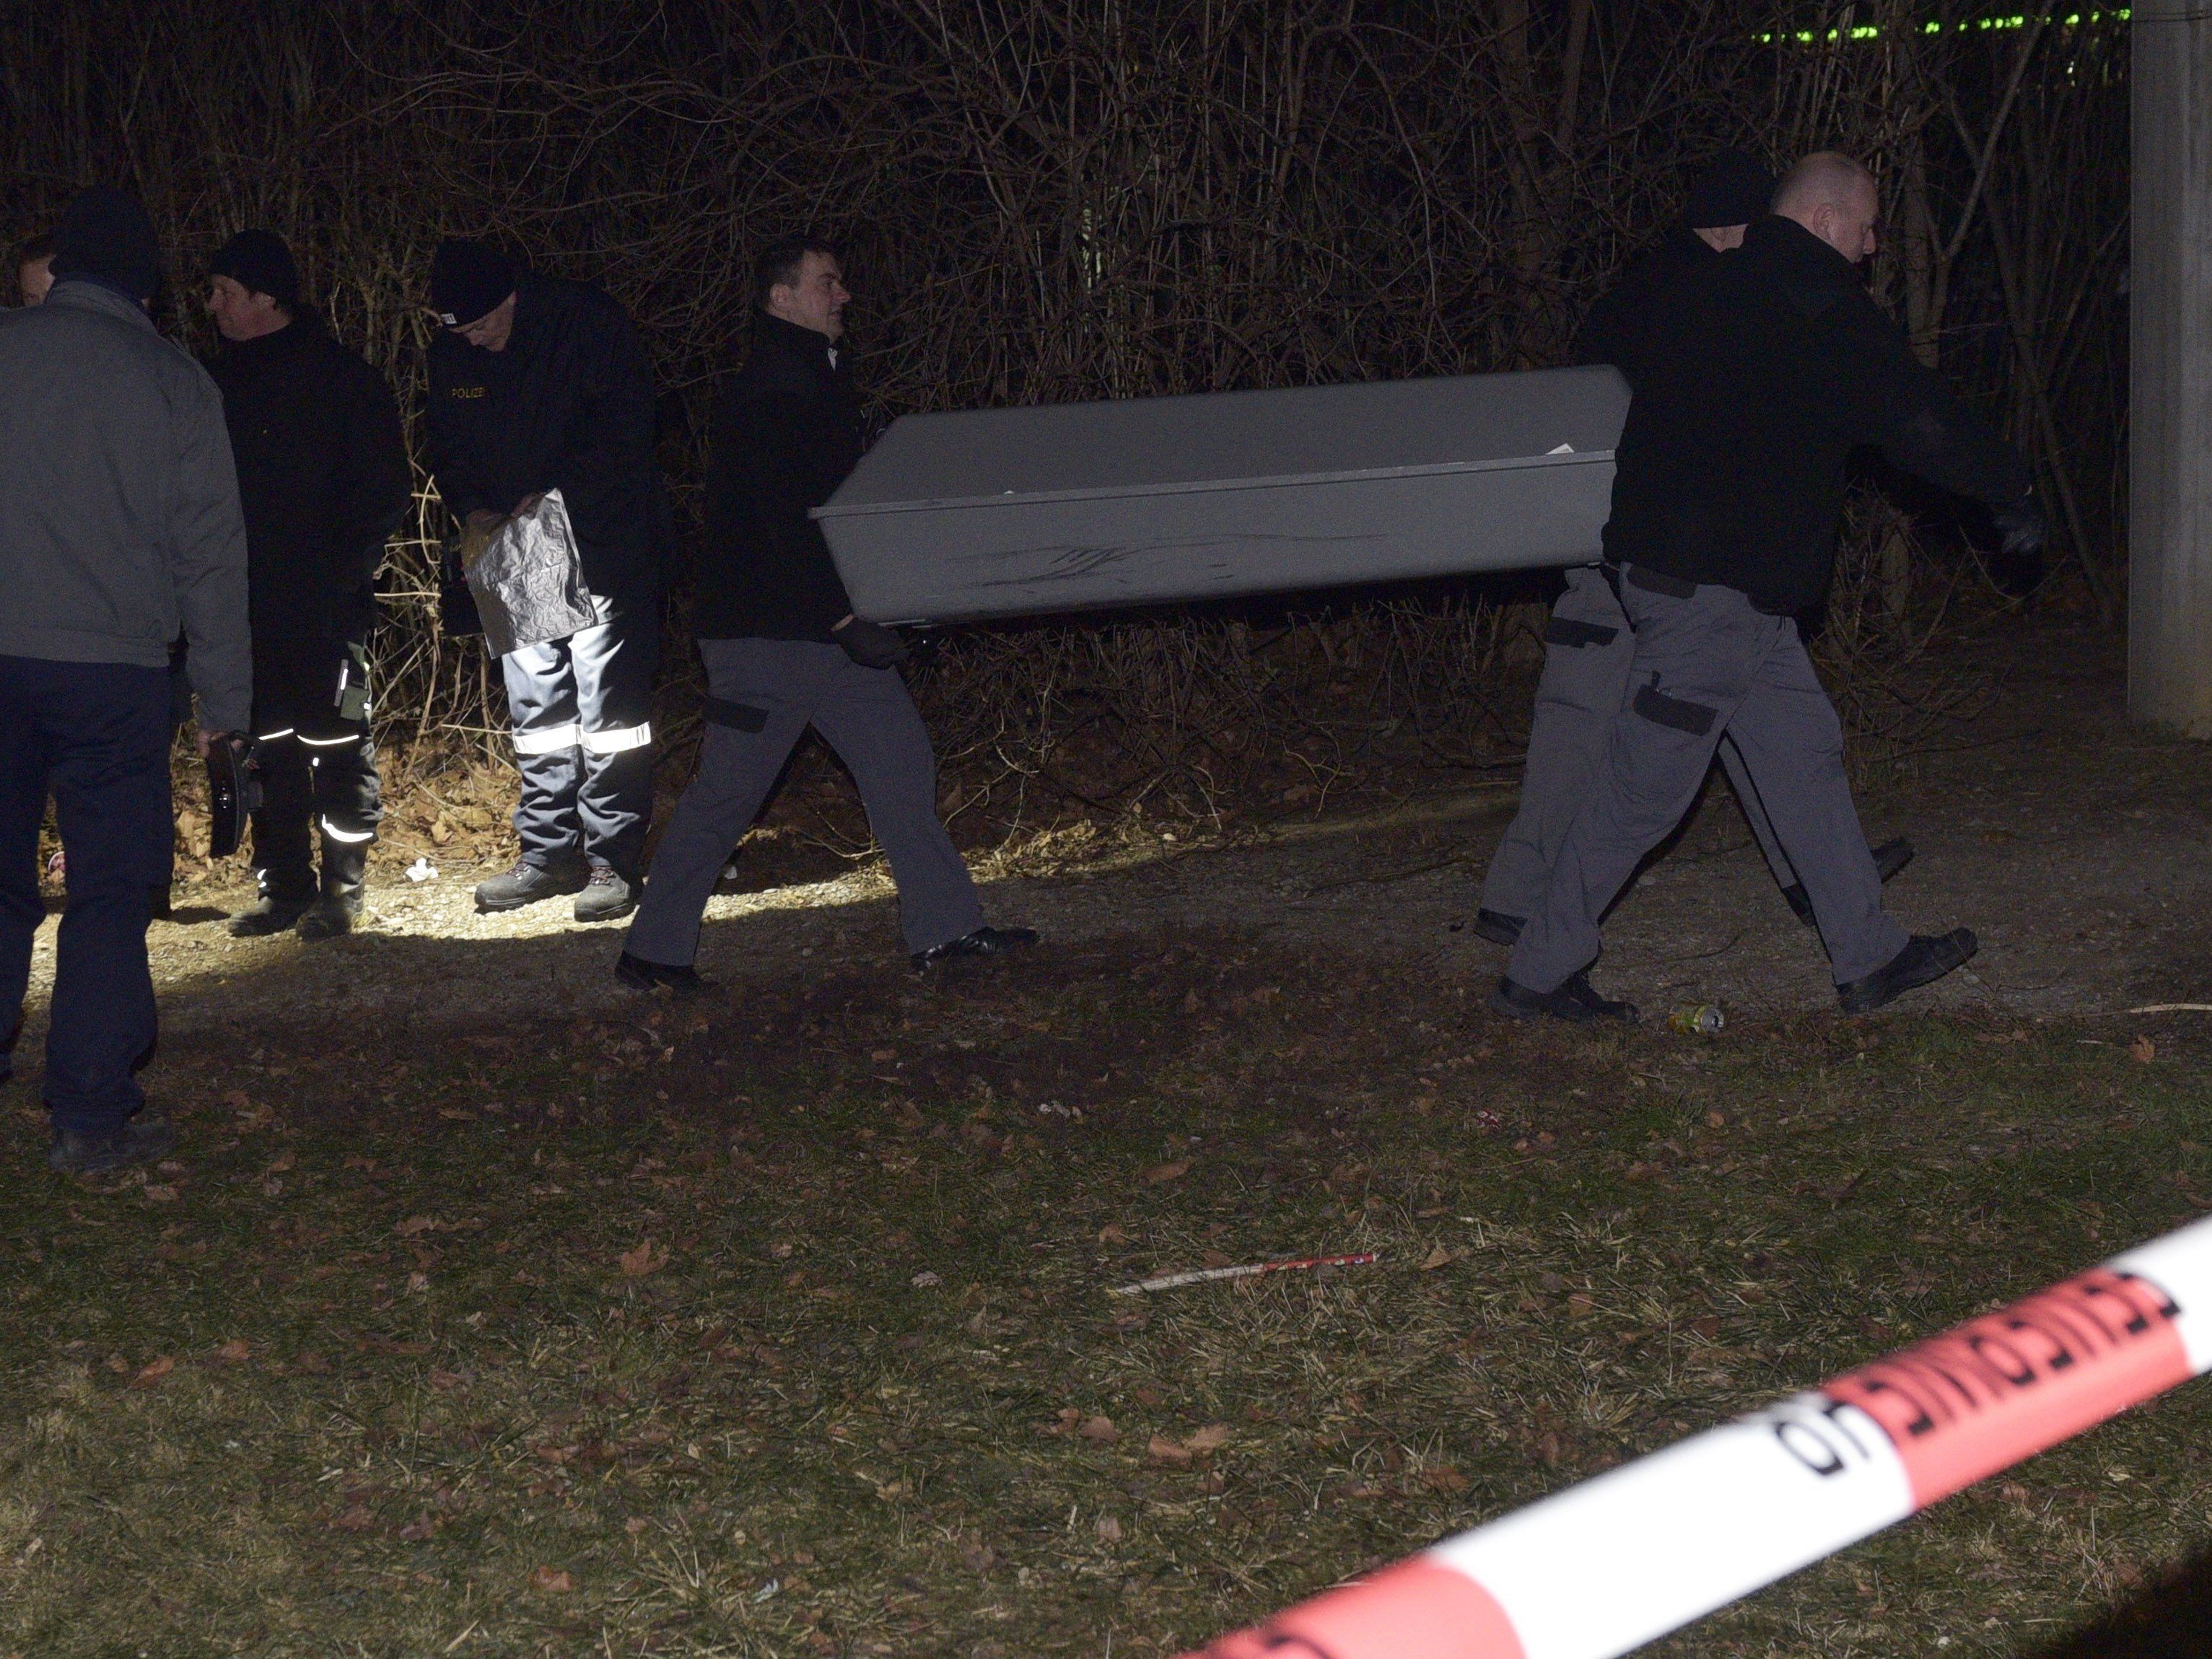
[1250, 1270]
[1604, 1567]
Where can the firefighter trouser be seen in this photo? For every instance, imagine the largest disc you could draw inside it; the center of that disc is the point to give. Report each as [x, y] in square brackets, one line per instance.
[581, 709]
[1588, 648]
[761, 695]
[1708, 666]
[319, 778]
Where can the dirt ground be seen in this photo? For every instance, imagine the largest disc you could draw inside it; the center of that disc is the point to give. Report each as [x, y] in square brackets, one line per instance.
[2071, 841]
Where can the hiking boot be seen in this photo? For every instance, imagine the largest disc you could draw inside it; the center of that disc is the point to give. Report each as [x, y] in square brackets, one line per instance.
[334, 914]
[149, 1136]
[1925, 958]
[1573, 1001]
[606, 896]
[1498, 928]
[528, 883]
[983, 942]
[1889, 858]
[642, 975]
[268, 915]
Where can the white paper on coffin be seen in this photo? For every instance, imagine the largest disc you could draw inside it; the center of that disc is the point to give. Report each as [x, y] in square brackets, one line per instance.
[1021, 511]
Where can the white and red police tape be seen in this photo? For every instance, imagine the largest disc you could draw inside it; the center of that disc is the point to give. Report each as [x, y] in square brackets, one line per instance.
[1617, 1561]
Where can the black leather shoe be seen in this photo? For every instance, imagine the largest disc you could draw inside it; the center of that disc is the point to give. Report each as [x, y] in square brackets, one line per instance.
[1498, 928]
[1573, 1001]
[983, 942]
[1889, 858]
[144, 1138]
[608, 896]
[1925, 958]
[642, 975]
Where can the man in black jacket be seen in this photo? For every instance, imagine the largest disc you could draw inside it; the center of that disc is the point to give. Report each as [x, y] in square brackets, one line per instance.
[1588, 646]
[1752, 385]
[323, 481]
[783, 649]
[539, 384]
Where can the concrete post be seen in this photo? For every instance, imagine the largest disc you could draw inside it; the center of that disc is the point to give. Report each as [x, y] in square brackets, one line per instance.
[2170, 370]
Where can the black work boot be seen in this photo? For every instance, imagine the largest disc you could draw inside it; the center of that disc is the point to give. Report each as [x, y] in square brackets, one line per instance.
[149, 1136]
[271, 913]
[530, 883]
[607, 896]
[1573, 1001]
[1889, 858]
[983, 942]
[1925, 958]
[344, 863]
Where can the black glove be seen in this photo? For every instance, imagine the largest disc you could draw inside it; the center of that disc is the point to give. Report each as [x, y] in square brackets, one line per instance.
[2022, 525]
[870, 644]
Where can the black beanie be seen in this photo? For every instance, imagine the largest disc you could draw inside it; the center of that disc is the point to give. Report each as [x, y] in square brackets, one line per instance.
[106, 236]
[258, 262]
[468, 279]
[1734, 191]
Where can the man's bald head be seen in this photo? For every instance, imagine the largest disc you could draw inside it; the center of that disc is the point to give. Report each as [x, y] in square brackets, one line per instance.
[1835, 197]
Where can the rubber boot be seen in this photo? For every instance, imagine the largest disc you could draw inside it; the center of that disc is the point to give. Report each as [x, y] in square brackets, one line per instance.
[339, 908]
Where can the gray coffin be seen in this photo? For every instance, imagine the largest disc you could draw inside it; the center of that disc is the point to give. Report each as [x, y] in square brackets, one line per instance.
[1025, 512]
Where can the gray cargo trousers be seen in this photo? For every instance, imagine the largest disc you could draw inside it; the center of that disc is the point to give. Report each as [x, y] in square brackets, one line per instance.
[1588, 649]
[761, 695]
[1708, 666]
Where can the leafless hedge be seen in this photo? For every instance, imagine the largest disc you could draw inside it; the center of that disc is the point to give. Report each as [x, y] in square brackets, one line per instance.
[1121, 197]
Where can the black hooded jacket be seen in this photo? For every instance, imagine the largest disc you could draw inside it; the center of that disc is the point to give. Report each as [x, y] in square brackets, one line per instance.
[786, 432]
[1613, 331]
[323, 480]
[566, 405]
[1755, 378]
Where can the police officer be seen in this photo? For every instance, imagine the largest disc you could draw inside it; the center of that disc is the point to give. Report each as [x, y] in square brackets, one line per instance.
[783, 649]
[323, 481]
[1753, 383]
[538, 384]
[1587, 646]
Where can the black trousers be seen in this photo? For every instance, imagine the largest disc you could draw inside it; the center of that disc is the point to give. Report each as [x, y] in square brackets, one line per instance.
[326, 782]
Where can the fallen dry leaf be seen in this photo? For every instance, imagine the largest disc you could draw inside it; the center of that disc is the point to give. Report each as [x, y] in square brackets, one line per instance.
[635, 1524]
[2143, 1051]
[442, 1380]
[552, 1581]
[641, 1259]
[161, 1194]
[280, 1163]
[1165, 1450]
[1444, 1479]
[418, 1282]
[1439, 1257]
[1211, 1439]
[1109, 1529]
[234, 1351]
[423, 1525]
[1174, 1170]
[980, 1557]
[154, 1372]
[1111, 1233]
[355, 1517]
[1100, 1430]
[415, 1224]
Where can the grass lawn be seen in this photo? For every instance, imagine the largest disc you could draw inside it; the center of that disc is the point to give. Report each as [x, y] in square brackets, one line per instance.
[776, 1324]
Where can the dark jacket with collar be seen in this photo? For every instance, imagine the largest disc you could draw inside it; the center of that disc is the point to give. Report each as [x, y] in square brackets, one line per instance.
[323, 481]
[1755, 380]
[786, 432]
[566, 405]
